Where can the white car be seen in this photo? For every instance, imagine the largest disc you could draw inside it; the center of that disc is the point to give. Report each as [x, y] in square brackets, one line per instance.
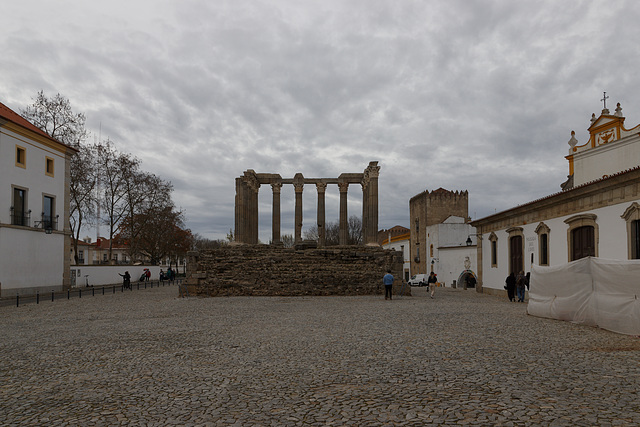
[419, 280]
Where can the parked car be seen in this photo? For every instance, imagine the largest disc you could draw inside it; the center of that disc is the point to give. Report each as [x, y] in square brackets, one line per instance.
[419, 280]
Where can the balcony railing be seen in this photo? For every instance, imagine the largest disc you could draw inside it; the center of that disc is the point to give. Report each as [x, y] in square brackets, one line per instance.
[21, 218]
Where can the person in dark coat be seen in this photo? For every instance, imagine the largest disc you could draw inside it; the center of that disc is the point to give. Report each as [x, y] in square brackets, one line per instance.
[510, 286]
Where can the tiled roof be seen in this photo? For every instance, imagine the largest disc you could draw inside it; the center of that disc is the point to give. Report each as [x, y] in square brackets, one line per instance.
[568, 191]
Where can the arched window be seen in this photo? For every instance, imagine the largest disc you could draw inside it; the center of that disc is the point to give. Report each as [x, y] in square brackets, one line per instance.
[582, 236]
[494, 249]
[632, 216]
[542, 230]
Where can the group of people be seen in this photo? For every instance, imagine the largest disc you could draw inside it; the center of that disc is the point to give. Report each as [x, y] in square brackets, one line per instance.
[388, 279]
[515, 285]
[126, 277]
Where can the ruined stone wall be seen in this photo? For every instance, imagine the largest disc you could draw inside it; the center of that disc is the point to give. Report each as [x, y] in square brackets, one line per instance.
[272, 270]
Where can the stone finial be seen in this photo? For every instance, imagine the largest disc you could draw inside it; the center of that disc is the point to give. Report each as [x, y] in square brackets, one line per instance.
[618, 112]
[572, 142]
[593, 118]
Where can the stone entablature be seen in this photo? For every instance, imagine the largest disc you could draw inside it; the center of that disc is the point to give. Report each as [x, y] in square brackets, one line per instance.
[246, 204]
[267, 270]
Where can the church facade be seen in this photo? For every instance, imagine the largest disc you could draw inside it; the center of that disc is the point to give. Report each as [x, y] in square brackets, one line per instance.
[597, 213]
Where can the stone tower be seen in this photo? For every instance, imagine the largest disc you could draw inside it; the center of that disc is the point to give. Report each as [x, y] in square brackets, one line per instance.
[429, 208]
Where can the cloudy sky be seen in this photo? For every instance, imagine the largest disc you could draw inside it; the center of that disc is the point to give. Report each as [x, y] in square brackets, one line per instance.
[460, 94]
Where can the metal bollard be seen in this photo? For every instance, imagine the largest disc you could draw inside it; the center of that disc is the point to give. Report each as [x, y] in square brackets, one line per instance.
[68, 293]
[37, 297]
[93, 291]
[17, 300]
[79, 293]
[138, 285]
[151, 285]
[51, 296]
[103, 290]
[114, 289]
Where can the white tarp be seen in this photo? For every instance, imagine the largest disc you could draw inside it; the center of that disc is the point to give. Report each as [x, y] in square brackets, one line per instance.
[590, 291]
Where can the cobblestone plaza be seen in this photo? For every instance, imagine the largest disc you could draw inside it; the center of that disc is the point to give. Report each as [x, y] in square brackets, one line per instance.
[149, 358]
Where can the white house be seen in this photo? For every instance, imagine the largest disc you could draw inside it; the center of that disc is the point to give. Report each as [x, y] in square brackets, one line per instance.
[34, 208]
[451, 247]
[401, 243]
[596, 214]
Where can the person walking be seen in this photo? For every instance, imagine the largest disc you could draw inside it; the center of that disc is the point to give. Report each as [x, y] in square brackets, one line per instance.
[510, 286]
[431, 283]
[387, 280]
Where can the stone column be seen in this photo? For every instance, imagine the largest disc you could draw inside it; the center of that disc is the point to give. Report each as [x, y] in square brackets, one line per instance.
[344, 225]
[365, 210]
[322, 187]
[298, 184]
[275, 213]
[240, 214]
[372, 172]
[253, 187]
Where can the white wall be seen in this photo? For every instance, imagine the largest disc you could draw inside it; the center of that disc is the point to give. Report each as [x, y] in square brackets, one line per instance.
[612, 243]
[404, 247]
[109, 274]
[29, 258]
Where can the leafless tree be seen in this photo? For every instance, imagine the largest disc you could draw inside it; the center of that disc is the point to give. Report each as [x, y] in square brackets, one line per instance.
[56, 117]
[332, 232]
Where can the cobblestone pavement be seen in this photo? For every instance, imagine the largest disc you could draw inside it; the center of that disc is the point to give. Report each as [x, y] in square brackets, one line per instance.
[150, 358]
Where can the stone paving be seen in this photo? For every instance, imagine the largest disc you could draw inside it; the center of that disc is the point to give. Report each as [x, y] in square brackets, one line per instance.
[150, 358]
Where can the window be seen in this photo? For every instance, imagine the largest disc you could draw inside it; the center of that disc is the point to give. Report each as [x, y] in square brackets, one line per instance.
[494, 249]
[115, 257]
[104, 257]
[49, 166]
[582, 236]
[19, 213]
[48, 213]
[542, 230]
[431, 251]
[81, 256]
[632, 217]
[21, 157]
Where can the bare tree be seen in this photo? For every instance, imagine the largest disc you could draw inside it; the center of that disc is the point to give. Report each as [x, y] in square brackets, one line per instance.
[332, 232]
[84, 177]
[55, 117]
[114, 170]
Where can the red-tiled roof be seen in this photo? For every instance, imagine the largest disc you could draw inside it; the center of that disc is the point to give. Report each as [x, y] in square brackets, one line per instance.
[10, 115]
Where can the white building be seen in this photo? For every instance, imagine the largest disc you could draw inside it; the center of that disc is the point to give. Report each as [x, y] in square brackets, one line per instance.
[452, 250]
[401, 243]
[34, 208]
[596, 214]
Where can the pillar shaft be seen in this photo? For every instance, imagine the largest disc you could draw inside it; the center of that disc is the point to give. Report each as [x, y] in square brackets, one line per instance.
[321, 186]
[344, 225]
[275, 214]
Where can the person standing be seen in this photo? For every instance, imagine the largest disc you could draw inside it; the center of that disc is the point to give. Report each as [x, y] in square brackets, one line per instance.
[126, 280]
[510, 286]
[431, 283]
[387, 280]
[520, 285]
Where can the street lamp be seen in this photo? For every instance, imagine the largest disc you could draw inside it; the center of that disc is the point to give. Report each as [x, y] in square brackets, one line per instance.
[469, 242]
